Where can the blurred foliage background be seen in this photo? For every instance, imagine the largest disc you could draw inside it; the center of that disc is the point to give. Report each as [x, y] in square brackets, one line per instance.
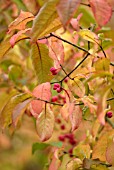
[16, 72]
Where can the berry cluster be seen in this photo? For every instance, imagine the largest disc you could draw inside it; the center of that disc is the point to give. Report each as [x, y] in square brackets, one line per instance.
[57, 87]
[53, 70]
[59, 98]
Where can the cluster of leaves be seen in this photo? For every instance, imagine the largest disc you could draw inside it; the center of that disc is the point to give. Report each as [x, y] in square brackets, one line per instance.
[66, 76]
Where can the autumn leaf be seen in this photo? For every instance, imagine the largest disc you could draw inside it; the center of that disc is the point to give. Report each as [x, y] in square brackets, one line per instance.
[41, 62]
[67, 110]
[56, 52]
[99, 149]
[20, 22]
[101, 10]
[42, 92]
[88, 35]
[66, 10]
[45, 124]
[46, 20]
[19, 110]
[75, 22]
[76, 117]
[110, 153]
[9, 108]
[102, 64]
[16, 36]
[77, 87]
[5, 46]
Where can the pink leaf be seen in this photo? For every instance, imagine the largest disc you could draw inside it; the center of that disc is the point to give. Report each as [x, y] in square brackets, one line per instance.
[55, 163]
[15, 36]
[75, 22]
[56, 51]
[19, 110]
[67, 110]
[76, 117]
[66, 10]
[45, 124]
[20, 22]
[101, 10]
[42, 92]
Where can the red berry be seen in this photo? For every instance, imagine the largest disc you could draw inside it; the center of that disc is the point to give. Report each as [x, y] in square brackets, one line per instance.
[53, 70]
[63, 127]
[59, 89]
[66, 80]
[70, 151]
[69, 136]
[56, 85]
[72, 141]
[54, 99]
[62, 138]
[58, 120]
[109, 114]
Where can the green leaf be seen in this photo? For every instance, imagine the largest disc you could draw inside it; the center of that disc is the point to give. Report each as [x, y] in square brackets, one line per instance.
[39, 146]
[20, 4]
[7, 111]
[41, 62]
[42, 146]
[14, 73]
[46, 20]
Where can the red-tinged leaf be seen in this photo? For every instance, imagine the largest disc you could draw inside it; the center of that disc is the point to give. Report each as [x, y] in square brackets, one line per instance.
[20, 22]
[76, 117]
[5, 46]
[101, 105]
[110, 153]
[111, 2]
[46, 21]
[56, 52]
[16, 36]
[90, 104]
[75, 22]
[67, 110]
[19, 110]
[6, 113]
[45, 124]
[55, 163]
[42, 92]
[101, 10]
[66, 10]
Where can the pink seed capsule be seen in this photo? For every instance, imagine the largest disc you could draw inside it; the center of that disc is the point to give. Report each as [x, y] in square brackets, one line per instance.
[109, 114]
[54, 98]
[56, 85]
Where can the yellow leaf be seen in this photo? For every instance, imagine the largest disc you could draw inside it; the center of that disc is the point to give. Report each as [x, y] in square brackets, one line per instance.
[88, 35]
[46, 20]
[41, 62]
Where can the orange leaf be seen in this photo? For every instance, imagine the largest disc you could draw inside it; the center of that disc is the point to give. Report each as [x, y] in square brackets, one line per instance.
[20, 22]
